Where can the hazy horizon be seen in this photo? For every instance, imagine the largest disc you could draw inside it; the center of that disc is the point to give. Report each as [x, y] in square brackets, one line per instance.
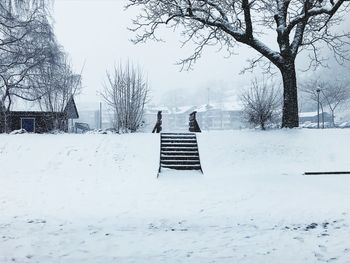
[98, 37]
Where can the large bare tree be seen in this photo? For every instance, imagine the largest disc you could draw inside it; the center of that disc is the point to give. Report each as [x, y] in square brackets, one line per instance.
[55, 81]
[332, 94]
[27, 47]
[25, 44]
[54, 84]
[299, 24]
[126, 92]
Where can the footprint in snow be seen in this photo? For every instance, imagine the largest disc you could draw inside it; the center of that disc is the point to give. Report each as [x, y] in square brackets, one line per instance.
[332, 259]
[319, 256]
[299, 239]
[322, 248]
[36, 221]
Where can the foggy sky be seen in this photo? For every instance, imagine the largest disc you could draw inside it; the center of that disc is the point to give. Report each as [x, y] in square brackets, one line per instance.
[95, 34]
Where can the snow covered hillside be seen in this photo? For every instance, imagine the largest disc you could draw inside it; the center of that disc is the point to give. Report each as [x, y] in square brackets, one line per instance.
[95, 198]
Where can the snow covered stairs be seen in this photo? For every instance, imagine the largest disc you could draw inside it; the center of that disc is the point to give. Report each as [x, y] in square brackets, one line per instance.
[179, 151]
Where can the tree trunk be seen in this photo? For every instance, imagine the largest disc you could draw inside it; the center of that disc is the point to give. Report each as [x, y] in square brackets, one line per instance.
[322, 112]
[290, 117]
[333, 118]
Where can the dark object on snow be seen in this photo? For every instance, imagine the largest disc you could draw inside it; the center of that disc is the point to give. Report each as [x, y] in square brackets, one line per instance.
[83, 127]
[194, 127]
[325, 173]
[311, 226]
[38, 121]
[158, 127]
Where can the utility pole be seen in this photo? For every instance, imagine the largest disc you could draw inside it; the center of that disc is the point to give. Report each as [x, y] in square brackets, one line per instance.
[318, 107]
[101, 115]
[208, 96]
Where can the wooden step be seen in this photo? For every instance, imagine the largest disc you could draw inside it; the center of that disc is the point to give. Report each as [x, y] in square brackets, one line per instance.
[180, 162]
[188, 145]
[178, 134]
[179, 141]
[179, 157]
[187, 153]
[182, 149]
[183, 167]
[183, 136]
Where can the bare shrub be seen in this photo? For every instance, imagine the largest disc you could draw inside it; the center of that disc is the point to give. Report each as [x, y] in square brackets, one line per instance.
[261, 103]
[126, 92]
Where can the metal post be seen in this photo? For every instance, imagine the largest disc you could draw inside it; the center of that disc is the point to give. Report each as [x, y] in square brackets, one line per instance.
[208, 96]
[318, 108]
[101, 115]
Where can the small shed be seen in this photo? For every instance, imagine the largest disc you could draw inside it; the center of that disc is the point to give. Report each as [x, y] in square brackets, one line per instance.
[36, 121]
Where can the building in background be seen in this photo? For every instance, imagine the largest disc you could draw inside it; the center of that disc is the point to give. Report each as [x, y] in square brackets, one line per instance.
[29, 117]
[223, 116]
[90, 113]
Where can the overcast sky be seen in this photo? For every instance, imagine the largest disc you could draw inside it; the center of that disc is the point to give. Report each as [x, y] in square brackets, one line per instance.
[95, 32]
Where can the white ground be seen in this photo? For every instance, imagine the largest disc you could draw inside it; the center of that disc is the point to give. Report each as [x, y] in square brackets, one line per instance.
[95, 198]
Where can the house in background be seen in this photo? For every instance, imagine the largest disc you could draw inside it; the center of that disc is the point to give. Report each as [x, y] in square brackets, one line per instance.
[90, 113]
[312, 117]
[34, 120]
[220, 116]
[216, 116]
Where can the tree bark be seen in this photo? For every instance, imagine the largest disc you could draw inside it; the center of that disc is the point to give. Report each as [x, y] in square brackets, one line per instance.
[322, 112]
[290, 117]
[333, 118]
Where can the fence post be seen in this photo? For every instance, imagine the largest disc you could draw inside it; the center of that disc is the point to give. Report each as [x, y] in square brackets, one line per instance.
[193, 124]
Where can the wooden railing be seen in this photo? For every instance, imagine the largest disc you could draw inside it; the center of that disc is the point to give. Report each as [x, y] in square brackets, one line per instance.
[193, 124]
[158, 127]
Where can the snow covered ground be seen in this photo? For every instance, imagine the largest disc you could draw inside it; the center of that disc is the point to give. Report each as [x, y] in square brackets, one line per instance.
[95, 198]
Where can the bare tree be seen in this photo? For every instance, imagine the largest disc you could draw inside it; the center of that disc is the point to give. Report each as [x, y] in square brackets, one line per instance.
[300, 25]
[261, 103]
[126, 93]
[55, 83]
[25, 34]
[333, 94]
[309, 92]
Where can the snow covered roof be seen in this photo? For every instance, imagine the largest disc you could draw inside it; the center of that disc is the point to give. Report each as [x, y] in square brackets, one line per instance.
[183, 109]
[226, 106]
[71, 109]
[310, 114]
[154, 109]
[23, 105]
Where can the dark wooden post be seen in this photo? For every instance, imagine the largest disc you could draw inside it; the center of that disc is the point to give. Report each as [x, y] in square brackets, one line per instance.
[194, 127]
[158, 127]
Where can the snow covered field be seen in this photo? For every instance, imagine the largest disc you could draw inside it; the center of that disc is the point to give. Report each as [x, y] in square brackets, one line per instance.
[95, 198]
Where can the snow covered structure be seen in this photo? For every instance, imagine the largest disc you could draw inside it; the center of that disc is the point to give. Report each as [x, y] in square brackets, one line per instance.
[32, 119]
[313, 118]
[223, 116]
[89, 113]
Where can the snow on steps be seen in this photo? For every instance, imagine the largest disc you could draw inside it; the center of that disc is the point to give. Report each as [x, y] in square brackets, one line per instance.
[179, 151]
